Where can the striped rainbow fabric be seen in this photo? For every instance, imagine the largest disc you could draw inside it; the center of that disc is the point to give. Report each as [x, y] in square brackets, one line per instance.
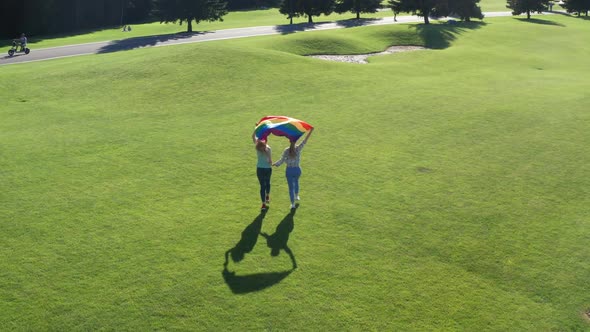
[281, 126]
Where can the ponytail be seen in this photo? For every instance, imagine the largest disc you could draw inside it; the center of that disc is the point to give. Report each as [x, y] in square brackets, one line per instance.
[261, 146]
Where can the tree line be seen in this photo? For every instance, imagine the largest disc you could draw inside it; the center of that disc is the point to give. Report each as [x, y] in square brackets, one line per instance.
[42, 17]
[39, 17]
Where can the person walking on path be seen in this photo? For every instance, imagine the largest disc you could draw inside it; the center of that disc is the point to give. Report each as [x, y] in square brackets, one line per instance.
[292, 157]
[263, 169]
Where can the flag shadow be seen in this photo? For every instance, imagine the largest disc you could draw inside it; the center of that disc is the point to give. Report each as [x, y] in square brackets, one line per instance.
[242, 284]
[252, 282]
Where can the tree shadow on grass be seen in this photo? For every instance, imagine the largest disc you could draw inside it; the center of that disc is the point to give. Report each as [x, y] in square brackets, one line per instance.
[33, 40]
[559, 12]
[139, 42]
[298, 27]
[5, 43]
[292, 28]
[241, 284]
[353, 22]
[440, 36]
[539, 21]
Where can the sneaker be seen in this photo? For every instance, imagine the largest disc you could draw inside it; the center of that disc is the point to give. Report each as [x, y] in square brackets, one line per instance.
[263, 207]
[267, 199]
[298, 199]
[293, 206]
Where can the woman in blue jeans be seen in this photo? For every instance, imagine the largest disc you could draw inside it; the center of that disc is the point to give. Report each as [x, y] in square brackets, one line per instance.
[292, 157]
[263, 169]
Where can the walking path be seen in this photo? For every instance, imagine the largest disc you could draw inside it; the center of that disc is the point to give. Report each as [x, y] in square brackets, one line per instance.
[184, 38]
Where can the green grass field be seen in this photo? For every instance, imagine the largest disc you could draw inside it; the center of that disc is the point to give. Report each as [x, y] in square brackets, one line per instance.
[237, 19]
[445, 189]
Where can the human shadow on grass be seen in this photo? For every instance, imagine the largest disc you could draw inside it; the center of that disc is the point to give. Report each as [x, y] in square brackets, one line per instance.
[241, 284]
[247, 241]
[279, 239]
[139, 42]
[539, 21]
[440, 36]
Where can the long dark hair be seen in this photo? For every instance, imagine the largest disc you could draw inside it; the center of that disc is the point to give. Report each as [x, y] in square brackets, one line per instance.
[292, 152]
[261, 146]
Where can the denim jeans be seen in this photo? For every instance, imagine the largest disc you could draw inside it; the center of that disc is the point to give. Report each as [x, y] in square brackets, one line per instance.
[293, 174]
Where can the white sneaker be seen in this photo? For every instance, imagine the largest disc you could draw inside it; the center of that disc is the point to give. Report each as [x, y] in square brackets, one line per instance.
[293, 206]
[298, 198]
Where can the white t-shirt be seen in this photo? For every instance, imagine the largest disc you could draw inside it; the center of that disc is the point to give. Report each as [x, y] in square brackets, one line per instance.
[291, 161]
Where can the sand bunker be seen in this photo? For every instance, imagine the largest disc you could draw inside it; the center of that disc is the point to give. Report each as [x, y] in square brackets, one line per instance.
[362, 58]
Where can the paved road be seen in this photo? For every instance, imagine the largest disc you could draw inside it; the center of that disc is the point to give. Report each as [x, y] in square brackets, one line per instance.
[183, 38]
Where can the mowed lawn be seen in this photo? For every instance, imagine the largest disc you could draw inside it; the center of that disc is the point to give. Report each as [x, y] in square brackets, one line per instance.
[233, 20]
[445, 189]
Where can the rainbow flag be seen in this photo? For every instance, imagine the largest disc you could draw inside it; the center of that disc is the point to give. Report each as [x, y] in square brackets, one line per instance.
[281, 126]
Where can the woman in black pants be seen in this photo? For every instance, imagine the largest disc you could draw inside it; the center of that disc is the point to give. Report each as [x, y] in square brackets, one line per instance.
[263, 169]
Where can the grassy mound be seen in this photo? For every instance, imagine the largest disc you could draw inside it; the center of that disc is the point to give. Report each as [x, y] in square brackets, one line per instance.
[442, 189]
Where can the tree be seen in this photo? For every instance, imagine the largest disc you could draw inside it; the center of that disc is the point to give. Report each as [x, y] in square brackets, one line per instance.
[465, 9]
[424, 8]
[190, 10]
[138, 10]
[527, 6]
[357, 6]
[309, 8]
[577, 6]
[250, 4]
[40, 17]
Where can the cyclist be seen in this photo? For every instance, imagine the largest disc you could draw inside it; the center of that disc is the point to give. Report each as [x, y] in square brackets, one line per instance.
[23, 42]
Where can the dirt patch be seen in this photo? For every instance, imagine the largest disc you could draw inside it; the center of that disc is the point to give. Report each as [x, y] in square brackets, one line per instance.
[362, 58]
[587, 314]
[423, 169]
